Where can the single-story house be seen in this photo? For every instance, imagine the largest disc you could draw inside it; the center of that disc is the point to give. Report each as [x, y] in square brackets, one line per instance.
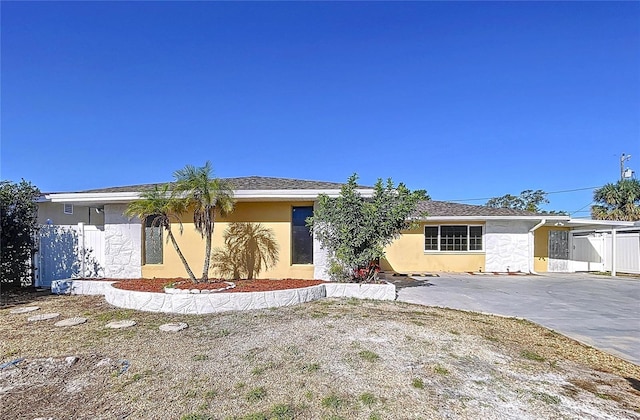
[452, 237]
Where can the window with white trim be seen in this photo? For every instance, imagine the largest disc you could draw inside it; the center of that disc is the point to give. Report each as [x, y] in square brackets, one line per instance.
[453, 238]
[153, 248]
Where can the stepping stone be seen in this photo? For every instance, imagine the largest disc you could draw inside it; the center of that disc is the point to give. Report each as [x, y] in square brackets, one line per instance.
[121, 324]
[43, 317]
[70, 322]
[173, 327]
[24, 310]
[71, 360]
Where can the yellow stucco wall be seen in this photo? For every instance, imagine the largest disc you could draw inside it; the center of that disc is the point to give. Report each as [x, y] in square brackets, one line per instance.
[406, 255]
[55, 213]
[541, 248]
[273, 215]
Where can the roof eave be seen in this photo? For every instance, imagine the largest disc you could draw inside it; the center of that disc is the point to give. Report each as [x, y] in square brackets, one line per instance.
[240, 195]
[501, 217]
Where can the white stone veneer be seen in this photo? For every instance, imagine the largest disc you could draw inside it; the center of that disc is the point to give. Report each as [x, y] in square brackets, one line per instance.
[198, 303]
[362, 291]
[80, 287]
[507, 246]
[123, 244]
[189, 303]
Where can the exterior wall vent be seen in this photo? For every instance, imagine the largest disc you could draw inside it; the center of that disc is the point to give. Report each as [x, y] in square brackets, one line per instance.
[68, 208]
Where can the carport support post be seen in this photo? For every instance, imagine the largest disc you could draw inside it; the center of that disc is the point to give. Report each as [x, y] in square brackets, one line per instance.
[613, 251]
[531, 243]
[81, 248]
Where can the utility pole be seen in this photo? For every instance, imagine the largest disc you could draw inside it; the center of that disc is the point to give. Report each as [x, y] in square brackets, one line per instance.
[623, 159]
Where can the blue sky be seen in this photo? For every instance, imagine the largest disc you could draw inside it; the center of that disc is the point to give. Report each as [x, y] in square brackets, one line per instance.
[466, 100]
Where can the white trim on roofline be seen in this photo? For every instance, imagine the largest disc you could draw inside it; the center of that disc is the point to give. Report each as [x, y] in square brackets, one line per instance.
[551, 219]
[592, 222]
[506, 217]
[241, 195]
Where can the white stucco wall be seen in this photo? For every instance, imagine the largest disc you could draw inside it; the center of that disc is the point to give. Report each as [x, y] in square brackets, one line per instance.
[507, 245]
[123, 243]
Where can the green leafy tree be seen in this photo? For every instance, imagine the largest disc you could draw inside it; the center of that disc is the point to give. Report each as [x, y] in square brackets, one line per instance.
[355, 230]
[249, 248]
[528, 200]
[203, 195]
[619, 201]
[161, 208]
[18, 227]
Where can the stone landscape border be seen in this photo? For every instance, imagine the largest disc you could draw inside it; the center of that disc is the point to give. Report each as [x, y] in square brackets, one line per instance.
[80, 287]
[190, 303]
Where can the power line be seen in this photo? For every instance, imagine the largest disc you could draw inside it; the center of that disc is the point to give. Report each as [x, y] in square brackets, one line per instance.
[546, 193]
[581, 209]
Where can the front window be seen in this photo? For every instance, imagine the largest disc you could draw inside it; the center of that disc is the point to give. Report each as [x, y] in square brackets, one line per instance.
[453, 238]
[152, 242]
[301, 239]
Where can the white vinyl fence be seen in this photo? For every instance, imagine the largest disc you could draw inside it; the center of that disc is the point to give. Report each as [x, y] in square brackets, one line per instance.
[69, 251]
[594, 251]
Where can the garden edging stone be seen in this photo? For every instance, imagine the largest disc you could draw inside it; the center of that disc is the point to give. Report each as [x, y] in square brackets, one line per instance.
[206, 303]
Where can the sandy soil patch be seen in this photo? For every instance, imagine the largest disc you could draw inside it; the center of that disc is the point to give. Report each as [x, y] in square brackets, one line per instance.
[329, 359]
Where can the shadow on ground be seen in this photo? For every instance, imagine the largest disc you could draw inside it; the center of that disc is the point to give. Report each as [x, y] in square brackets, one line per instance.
[402, 282]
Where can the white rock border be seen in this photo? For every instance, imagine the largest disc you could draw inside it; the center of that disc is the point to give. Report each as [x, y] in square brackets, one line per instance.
[206, 303]
[386, 291]
[80, 286]
[188, 303]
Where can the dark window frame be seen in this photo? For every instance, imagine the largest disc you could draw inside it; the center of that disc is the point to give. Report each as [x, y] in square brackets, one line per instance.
[301, 247]
[455, 238]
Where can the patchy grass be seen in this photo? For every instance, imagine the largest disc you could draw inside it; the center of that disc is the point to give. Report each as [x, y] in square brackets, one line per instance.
[417, 383]
[530, 355]
[547, 398]
[323, 360]
[333, 402]
[367, 399]
[369, 356]
[311, 367]
[256, 394]
[440, 370]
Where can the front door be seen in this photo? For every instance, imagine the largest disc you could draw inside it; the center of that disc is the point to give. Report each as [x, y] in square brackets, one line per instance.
[558, 251]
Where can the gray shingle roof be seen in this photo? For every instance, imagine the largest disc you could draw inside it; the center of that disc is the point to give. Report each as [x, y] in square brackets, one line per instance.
[243, 183]
[443, 208]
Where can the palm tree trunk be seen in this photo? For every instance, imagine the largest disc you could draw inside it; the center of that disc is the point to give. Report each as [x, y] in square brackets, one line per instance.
[207, 258]
[207, 246]
[182, 258]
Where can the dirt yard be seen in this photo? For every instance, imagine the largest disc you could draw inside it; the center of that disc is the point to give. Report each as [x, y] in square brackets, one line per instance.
[330, 359]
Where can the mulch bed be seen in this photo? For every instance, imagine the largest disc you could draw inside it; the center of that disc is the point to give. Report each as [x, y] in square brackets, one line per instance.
[257, 285]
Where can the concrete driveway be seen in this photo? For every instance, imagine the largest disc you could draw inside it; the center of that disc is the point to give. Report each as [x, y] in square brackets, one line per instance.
[603, 312]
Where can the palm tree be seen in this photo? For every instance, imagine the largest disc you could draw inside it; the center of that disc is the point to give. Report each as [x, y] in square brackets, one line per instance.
[249, 247]
[619, 201]
[158, 205]
[203, 194]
